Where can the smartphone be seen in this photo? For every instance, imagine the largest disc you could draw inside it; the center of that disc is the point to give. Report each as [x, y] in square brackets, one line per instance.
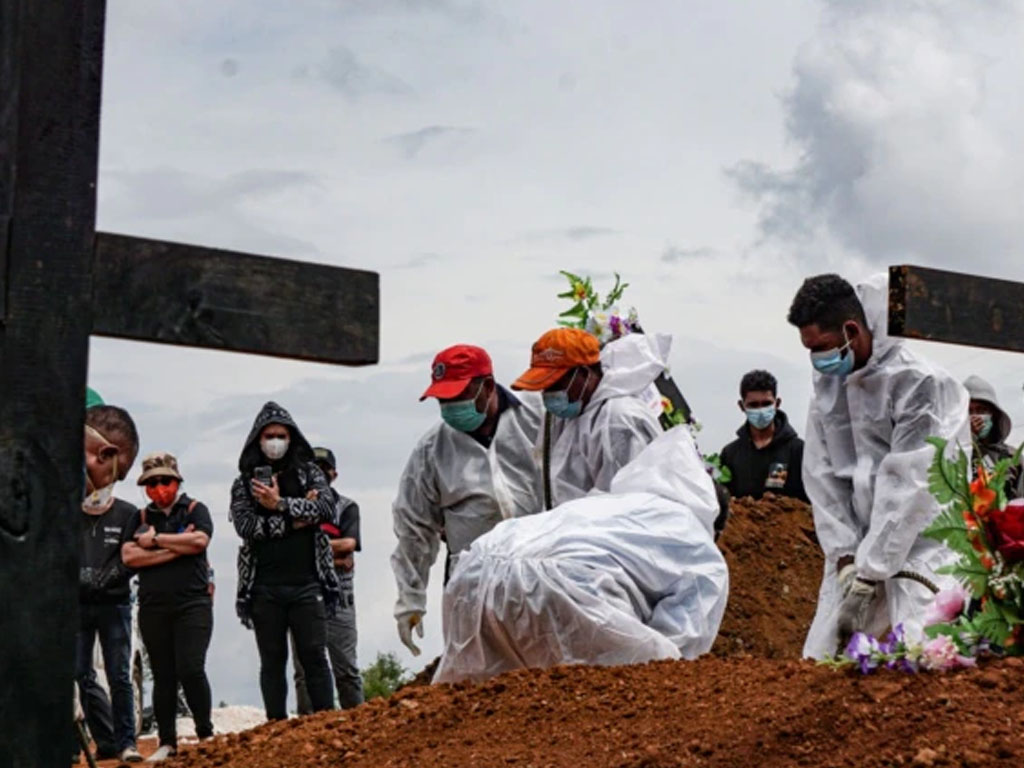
[263, 475]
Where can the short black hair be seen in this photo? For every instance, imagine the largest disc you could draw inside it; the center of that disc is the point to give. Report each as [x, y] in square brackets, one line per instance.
[827, 301]
[115, 424]
[758, 381]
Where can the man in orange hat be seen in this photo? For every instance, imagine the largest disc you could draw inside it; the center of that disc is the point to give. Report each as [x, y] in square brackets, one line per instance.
[603, 404]
[474, 469]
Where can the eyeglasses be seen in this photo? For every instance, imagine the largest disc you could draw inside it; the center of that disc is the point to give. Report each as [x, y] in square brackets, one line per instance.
[153, 482]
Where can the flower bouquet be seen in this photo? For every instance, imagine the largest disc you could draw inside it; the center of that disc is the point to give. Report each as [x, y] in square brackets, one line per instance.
[984, 613]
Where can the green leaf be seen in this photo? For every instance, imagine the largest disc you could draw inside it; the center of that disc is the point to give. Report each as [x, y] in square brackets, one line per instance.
[972, 574]
[571, 277]
[949, 528]
[578, 310]
[990, 623]
[948, 480]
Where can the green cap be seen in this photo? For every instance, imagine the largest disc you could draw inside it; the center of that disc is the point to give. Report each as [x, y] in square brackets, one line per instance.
[92, 398]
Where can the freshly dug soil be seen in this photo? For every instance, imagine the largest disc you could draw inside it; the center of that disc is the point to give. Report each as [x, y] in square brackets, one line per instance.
[775, 567]
[712, 712]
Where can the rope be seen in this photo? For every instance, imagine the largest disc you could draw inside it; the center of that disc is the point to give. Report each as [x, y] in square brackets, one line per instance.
[918, 578]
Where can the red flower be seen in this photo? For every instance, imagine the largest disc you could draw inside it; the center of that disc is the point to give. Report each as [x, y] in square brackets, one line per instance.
[983, 497]
[1006, 527]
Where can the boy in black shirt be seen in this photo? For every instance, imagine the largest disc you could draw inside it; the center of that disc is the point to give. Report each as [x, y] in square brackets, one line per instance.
[767, 455]
[111, 443]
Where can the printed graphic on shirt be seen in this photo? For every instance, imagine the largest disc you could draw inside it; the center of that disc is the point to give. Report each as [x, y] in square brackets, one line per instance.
[112, 534]
[777, 473]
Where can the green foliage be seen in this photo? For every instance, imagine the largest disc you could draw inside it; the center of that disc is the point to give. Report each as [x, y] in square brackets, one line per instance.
[385, 676]
[949, 481]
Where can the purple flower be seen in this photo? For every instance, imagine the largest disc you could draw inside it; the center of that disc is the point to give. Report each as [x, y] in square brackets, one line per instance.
[863, 649]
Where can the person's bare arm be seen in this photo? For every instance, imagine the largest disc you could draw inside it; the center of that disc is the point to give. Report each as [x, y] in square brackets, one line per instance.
[188, 543]
[134, 556]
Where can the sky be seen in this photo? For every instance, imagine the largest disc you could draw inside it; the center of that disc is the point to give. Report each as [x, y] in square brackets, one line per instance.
[713, 154]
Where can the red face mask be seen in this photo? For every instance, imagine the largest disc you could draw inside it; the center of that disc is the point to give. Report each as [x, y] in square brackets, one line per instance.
[163, 495]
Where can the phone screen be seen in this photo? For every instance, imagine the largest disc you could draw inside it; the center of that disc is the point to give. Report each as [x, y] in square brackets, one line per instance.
[263, 475]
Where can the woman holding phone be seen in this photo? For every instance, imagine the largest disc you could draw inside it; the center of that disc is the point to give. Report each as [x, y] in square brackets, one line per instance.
[286, 578]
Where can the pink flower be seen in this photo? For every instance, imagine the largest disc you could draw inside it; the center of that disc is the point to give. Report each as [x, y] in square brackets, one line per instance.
[947, 605]
[941, 653]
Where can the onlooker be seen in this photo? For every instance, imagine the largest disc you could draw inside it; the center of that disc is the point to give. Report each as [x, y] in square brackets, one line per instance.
[990, 426]
[111, 444]
[466, 474]
[766, 455]
[605, 405]
[171, 536]
[341, 629]
[286, 577]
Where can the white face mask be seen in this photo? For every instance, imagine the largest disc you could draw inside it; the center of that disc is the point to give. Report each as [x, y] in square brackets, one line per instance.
[99, 500]
[274, 448]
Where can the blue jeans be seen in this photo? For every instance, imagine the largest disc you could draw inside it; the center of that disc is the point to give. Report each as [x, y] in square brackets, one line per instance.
[113, 625]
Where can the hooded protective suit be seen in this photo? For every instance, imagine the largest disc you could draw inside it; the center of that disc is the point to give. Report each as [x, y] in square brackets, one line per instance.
[614, 578]
[620, 420]
[455, 485]
[866, 472]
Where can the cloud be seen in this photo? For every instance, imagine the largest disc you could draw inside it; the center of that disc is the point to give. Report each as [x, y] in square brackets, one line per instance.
[419, 261]
[410, 144]
[171, 204]
[903, 154]
[674, 254]
[344, 72]
[575, 234]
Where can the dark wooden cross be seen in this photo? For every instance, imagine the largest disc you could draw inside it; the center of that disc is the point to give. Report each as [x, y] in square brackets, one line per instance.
[61, 281]
[935, 305]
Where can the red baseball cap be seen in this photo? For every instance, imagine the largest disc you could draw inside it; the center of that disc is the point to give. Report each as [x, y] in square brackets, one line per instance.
[454, 368]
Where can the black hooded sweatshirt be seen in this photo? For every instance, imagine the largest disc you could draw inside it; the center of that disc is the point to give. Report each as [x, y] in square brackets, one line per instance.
[275, 550]
[777, 468]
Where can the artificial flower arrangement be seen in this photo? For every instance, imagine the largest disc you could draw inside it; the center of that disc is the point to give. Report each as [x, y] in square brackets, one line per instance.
[984, 613]
[603, 319]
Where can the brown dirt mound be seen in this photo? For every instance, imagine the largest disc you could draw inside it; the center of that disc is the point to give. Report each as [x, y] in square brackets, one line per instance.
[775, 566]
[711, 713]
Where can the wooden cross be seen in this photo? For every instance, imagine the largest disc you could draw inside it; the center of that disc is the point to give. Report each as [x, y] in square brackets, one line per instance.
[959, 309]
[60, 281]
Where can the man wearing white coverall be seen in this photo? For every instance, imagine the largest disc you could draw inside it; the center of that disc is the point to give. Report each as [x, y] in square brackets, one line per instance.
[866, 460]
[613, 578]
[604, 402]
[474, 469]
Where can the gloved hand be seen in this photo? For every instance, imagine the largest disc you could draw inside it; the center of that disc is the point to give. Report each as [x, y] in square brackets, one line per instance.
[406, 625]
[847, 575]
[854, 609]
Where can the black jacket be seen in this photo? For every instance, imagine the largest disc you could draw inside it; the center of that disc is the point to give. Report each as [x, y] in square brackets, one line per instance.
[776, 468]
[102, 577]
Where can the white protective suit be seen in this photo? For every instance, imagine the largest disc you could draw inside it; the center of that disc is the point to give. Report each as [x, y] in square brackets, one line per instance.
[614, 578]
[453, 484]
[866, 472]
[620, 420]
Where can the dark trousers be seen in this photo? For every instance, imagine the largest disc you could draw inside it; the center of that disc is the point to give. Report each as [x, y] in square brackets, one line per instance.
[177, 637]
[341, 651]
[112, 727]
[276, 611]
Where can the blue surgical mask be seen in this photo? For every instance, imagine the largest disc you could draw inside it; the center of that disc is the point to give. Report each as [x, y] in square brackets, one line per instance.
[986, 426]
[557, 403]
[760, 418]
[835, 362]
[462, 414]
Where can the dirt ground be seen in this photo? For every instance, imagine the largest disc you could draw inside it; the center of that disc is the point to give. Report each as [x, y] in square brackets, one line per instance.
[712, 712]
[749, 703]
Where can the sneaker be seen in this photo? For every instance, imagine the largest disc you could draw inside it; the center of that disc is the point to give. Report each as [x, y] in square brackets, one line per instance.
[130, 755]
[162, 753]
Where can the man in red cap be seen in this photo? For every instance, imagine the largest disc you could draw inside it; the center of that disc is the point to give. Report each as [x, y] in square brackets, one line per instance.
[468, 473]
[604, 406]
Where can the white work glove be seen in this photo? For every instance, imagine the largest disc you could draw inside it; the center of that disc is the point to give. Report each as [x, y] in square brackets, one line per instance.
[854, 609]
[847, 575]
[406, 625]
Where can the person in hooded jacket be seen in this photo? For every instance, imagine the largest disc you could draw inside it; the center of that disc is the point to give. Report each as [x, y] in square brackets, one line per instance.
[990, 426]
[866, 462]
[604, 405]
[619, 577]
[767, 455]
[286, 578]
